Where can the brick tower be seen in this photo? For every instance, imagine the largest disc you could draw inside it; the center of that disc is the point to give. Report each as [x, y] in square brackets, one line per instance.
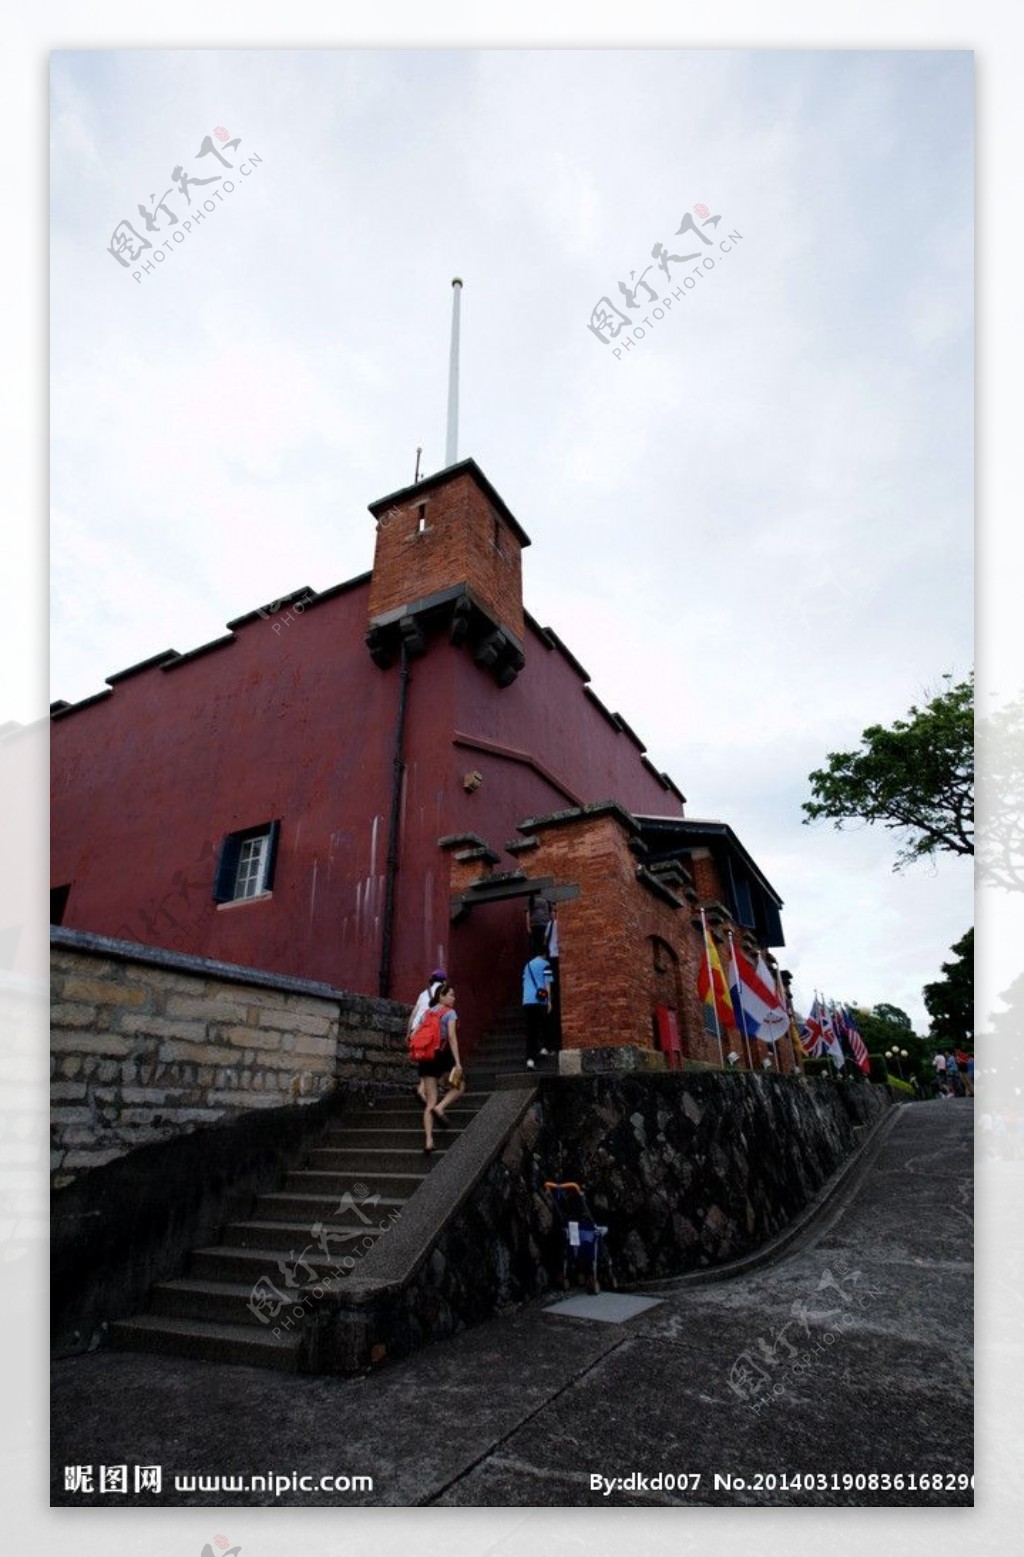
[448, 558]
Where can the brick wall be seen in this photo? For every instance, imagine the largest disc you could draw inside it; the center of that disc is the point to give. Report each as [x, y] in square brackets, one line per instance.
[463, 539]
[603, 964]
[626, 943]
[706, 879]
[147, 1045]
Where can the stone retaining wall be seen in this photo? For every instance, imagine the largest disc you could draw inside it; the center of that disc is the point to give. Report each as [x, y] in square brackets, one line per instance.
[686, 1170]
[147, 1045]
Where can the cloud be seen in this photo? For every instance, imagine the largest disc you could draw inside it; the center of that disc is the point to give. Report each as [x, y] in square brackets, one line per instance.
[753, 529]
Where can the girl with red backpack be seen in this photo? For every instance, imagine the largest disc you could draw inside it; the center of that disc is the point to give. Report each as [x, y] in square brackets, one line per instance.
[434, 1048]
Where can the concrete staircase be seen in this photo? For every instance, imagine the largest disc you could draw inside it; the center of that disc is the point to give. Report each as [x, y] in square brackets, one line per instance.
[361, 1173]
[501, 1053]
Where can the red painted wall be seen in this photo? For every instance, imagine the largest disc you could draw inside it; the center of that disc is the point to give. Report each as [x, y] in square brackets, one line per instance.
[299, 724]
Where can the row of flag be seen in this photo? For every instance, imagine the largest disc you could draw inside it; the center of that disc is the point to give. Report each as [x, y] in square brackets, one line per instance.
[750, 998]
[831, 1029]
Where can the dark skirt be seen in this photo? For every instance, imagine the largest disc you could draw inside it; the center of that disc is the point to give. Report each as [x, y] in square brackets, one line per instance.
[440, 1065]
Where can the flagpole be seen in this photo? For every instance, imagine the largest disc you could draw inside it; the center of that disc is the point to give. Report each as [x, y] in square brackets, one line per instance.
[837, 1040]
[741, 1013]
[781, 992]
[711, 986]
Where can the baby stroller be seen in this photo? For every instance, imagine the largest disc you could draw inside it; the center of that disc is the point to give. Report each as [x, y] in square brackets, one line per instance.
[582, 1244]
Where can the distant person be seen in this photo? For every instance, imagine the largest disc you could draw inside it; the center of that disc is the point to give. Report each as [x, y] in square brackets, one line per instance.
[970, 1075]
[423, 1000]
[953, 1075]
[536, 1007]
[538, 921]
[939, 1061]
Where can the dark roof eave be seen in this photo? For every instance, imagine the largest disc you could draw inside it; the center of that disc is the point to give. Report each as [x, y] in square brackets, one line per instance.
[694, 829]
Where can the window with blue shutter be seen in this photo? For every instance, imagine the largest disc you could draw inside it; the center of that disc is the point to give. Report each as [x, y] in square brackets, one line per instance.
[245, 866]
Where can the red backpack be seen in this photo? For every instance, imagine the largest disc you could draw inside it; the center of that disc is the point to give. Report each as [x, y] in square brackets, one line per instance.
[427, 1039]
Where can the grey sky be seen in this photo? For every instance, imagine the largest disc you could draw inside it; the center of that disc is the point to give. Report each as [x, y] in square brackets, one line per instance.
[754, 528]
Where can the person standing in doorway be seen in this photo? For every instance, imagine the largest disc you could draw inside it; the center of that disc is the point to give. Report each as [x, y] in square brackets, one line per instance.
[536, 1007]
[551, 952]
[538, 921]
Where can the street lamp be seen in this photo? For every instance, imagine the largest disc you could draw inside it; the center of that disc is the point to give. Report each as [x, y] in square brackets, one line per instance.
[894, 1054]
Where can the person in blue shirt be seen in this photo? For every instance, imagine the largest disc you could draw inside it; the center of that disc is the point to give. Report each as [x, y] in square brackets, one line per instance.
[536, 1007]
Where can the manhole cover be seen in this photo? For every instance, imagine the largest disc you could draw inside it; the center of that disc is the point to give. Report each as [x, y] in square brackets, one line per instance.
[611, 1308]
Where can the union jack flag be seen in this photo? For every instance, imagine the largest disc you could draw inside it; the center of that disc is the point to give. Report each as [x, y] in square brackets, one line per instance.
[812, 1031]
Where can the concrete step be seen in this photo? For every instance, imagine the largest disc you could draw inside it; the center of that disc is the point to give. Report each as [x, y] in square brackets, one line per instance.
[222, 1302]
[546, 1065]
[408, 1118]
[360, 1172]
[214, 1302]
[286, 1234]
[204, 1340]
[318, 1203]
[237, 1264]
[358, 1164]
[473, 1100]
[404, 1137]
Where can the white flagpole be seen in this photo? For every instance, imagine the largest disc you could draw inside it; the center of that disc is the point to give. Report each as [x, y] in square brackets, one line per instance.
[452, 440]
[781, 993]
[711, 986]
[734, 971]
[841, 1063]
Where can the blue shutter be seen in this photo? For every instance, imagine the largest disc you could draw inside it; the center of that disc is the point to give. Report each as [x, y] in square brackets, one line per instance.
[273, 833]
[773, 935]
[744, 903]
[227, 868]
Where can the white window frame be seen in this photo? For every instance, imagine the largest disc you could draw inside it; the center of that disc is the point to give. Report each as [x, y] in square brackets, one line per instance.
[251, 875]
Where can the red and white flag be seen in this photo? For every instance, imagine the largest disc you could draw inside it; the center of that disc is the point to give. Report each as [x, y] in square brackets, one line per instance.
[756, 1004]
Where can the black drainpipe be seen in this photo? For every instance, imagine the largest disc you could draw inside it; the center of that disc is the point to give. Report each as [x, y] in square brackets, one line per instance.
[398, 769]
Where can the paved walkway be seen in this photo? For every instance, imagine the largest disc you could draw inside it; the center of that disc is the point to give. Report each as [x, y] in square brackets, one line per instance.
[850, 1355]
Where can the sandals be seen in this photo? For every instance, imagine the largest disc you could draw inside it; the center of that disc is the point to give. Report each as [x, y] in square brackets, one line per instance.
[439, 1118]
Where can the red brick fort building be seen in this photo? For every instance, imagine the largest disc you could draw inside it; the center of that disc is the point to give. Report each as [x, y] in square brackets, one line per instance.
[358, 785]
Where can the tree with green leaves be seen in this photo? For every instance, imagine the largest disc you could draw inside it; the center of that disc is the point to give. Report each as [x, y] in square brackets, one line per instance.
[949, 1001]
[915, 776]
[894, 1015]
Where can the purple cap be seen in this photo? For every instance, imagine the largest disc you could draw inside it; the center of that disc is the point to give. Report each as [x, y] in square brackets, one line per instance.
[438, 973]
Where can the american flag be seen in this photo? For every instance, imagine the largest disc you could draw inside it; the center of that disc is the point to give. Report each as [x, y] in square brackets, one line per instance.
[857, 1046]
